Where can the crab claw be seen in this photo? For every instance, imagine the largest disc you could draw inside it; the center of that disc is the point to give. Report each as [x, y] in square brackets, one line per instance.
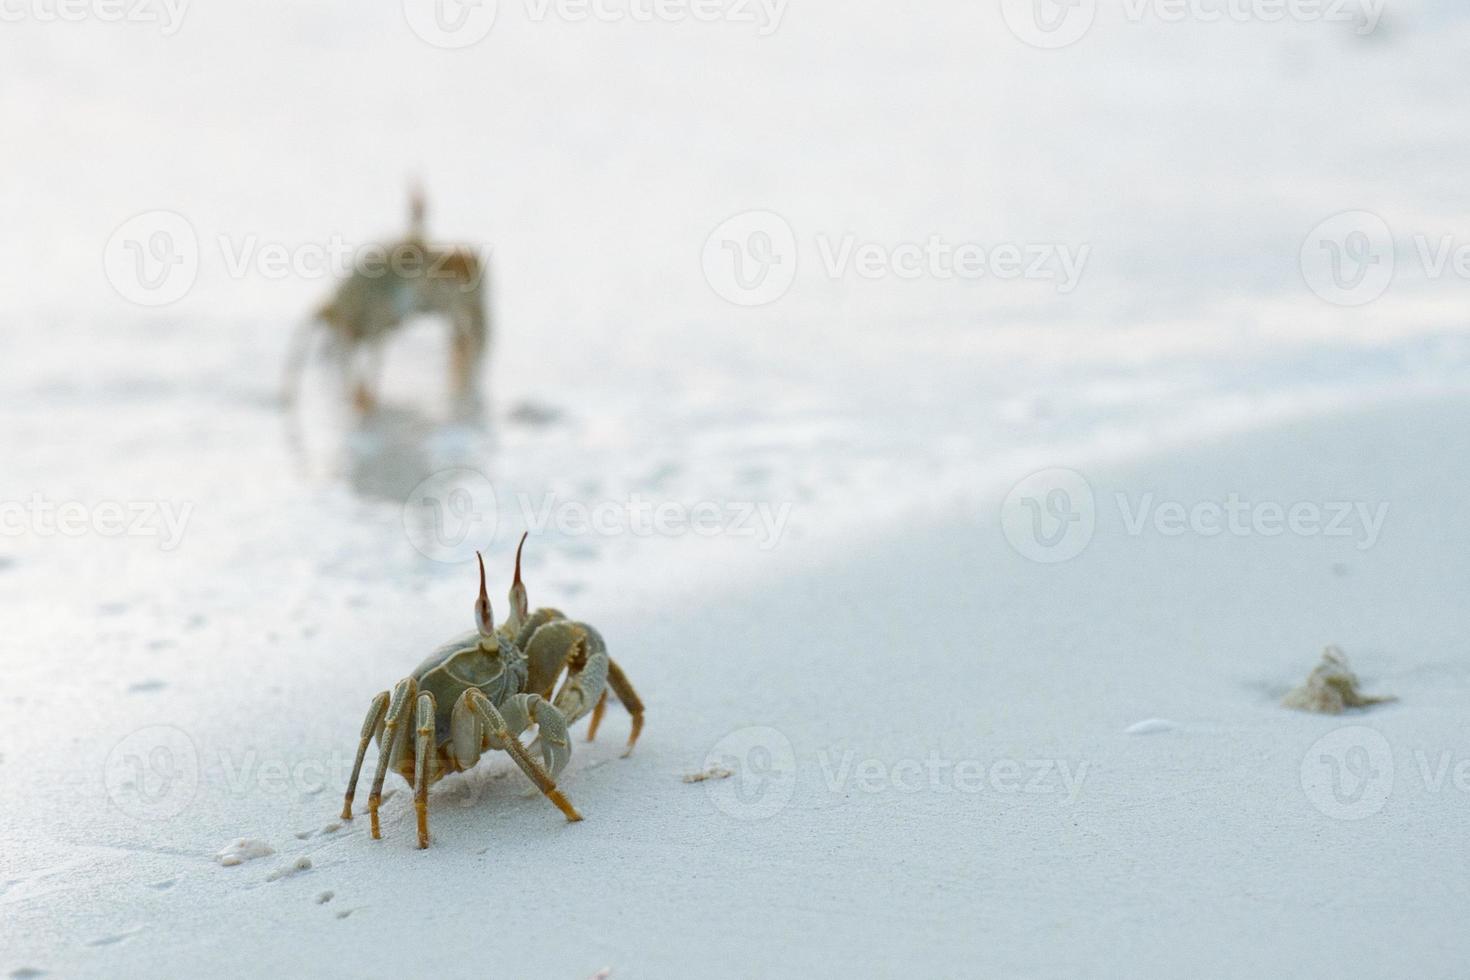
[484, 616]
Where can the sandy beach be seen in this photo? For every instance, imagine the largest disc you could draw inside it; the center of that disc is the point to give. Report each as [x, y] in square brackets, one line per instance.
[965, 425]
[929, 738]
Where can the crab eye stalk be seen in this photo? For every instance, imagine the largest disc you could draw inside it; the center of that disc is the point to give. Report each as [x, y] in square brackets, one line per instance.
[484, 616]
[519, 606]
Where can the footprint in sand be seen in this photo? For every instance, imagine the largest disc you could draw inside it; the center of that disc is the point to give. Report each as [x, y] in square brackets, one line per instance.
[243, 849]
[115, 938]
[294, 868]
[144, 687]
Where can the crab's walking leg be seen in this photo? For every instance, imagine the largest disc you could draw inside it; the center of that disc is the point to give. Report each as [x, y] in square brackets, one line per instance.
[491, 718]
[403, 693]
[521, 711]
[597, 711]
[423, 760]
[618, 681]
[370, 727]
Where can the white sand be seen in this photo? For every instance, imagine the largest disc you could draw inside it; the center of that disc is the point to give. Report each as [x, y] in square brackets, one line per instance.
[1046, 842]
[164, 696]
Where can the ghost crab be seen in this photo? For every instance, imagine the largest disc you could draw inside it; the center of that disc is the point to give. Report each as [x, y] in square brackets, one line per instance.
[481, 690]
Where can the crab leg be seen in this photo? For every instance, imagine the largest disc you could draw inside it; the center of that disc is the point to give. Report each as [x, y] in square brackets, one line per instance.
[618, 681]
[597, 710]
[579, 649]
[495, 724]
[521, 711]
[403, 693]
[423, 757]
[370, 727]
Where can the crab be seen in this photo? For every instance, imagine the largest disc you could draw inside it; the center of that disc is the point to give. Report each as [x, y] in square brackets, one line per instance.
[481, 691]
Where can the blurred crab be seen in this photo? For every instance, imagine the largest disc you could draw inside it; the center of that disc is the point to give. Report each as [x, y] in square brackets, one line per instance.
[481, 691]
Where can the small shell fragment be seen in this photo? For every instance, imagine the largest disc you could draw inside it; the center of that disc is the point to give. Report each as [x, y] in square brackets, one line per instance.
[713, 772]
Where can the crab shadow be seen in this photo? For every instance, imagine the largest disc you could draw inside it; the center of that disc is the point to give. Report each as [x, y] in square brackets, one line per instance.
[386, 453]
